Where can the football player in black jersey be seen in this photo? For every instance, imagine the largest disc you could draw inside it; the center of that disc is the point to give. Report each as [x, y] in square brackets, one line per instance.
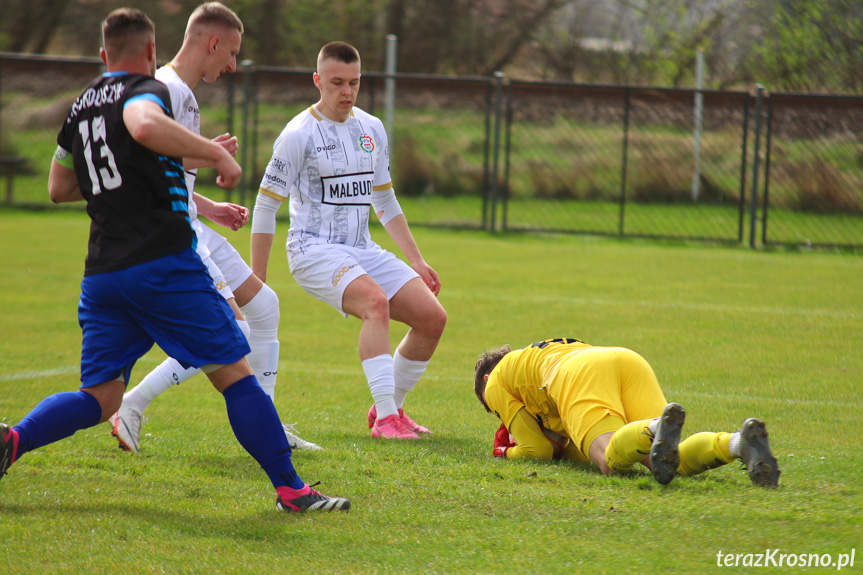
[120, 150]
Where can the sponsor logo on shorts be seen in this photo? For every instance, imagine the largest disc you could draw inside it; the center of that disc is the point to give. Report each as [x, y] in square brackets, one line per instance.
[340, 272]
[347, 189]
[366, 143]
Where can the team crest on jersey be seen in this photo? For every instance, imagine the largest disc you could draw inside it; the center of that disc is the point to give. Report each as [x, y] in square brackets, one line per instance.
[366, 143]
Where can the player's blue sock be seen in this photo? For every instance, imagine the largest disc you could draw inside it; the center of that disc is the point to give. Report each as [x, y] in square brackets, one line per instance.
[57, 417]
[256, 424]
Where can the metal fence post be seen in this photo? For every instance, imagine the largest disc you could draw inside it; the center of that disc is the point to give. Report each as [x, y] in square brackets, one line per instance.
[247, 80]
[254, 167]
[1, 110]
[741, 208]
[507, 153]
[765, 203]
[498, 78]
[624, 160]
[486, 178]
[699, 123]
[390, 88]
[753, 206]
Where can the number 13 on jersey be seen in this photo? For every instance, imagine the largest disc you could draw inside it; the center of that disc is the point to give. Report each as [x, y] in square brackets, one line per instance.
[110, 176]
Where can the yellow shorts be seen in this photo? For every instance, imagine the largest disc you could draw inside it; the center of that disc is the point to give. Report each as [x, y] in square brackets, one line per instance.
[600, 389]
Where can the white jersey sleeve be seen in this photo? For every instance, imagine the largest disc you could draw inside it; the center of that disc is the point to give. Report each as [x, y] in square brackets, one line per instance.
[186, 113]
[284, 165]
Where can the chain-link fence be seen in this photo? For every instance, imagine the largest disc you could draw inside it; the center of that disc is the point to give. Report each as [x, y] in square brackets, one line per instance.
[494, 153]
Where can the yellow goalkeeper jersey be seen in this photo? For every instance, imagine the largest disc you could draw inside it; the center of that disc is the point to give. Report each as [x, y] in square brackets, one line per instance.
[521, 379]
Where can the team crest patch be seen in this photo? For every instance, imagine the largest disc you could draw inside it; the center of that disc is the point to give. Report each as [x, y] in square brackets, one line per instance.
[366, 143]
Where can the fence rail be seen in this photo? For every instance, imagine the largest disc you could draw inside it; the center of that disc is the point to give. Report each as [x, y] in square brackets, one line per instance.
[507, 154]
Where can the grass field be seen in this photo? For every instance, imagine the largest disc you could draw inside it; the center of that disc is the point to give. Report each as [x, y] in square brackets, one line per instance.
[730, 333]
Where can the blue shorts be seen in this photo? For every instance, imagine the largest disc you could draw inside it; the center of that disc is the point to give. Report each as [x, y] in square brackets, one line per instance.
[169, 301]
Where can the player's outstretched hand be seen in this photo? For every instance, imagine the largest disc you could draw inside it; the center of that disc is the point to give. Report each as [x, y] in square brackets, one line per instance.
[502, 441]
[228, 142]
[229, 215]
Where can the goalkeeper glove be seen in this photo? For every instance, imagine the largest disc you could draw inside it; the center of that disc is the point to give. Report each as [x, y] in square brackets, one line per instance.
[502, 441]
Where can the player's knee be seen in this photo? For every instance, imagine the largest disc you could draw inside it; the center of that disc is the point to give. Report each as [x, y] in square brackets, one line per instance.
[263, 309]
[376, 305]
[436, 323]
[269, 301]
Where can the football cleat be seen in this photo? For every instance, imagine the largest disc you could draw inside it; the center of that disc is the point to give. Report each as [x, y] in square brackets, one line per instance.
[664, 452]
[392, 427]
[412, 425]
[8, 448]
[296, 441]
[756, 455]
[307, 499]
[126, 427]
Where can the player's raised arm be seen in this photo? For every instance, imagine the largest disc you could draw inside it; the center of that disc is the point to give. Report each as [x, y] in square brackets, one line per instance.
[150, 127]
[227, 141]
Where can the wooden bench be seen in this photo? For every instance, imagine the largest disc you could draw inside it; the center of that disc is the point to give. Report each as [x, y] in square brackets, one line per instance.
[10, 166]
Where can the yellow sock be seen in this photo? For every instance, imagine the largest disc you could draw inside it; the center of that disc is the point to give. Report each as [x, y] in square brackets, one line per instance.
[629, 445]
[703, 451]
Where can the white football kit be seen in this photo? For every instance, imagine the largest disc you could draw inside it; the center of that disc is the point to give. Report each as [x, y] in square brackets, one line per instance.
[224, 263]
[332, 173]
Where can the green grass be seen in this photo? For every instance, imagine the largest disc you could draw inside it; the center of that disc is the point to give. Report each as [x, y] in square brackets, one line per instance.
[730, 333]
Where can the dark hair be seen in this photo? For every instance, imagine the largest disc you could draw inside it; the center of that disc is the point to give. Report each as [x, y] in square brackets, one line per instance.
[216, 13]
[124, 22]
[487, 361]
[340, 51]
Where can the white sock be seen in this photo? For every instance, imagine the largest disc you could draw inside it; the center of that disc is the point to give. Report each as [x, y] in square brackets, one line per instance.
[406, 373]
[379, 373]
[244, 327]
[654, 426]
[734, 445]
[167, 374]
[262, 315]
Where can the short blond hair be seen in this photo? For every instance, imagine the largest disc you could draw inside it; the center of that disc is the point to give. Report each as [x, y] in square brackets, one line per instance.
[215, 14]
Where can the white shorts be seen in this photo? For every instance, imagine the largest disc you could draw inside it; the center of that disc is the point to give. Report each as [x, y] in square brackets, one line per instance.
[225, 264]
[325, 271]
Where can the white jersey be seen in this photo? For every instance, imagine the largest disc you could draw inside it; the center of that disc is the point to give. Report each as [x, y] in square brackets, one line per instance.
[329, 170]
[186, 112]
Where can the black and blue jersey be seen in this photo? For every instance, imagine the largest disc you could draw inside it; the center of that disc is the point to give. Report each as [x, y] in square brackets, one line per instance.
[137, 199]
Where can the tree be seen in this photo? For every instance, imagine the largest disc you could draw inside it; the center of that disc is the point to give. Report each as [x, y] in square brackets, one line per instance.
[30, 24]
[475, 37]
[813, 46]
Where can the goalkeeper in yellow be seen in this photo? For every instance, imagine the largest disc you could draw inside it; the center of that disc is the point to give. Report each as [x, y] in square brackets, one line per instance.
[565, 398]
